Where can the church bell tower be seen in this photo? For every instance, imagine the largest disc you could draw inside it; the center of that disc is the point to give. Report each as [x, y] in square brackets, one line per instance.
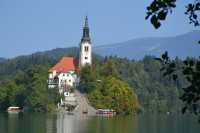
[85, 50]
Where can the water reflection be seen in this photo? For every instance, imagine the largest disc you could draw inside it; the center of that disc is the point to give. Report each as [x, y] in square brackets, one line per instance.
[71, 124]
[63, 123]
[113, 125]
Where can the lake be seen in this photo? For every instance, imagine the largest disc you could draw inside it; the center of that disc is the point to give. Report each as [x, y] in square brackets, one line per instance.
[63, 123]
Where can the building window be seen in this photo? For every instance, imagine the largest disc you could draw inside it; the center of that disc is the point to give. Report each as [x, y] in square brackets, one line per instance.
[70, 80]
[86, 58]
[86, 48]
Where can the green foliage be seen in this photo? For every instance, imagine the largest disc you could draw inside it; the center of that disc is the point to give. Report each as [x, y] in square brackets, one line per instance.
[37, 98]
[191, 71]
[159, 9]
[24, 84]
[105, 89]
[109, 68]
[114, 94]
[87, 79]
[10, 67]
[28, 89]
[153, 90]
[23, 80]
[155, 93]
[192, 11]
[11, 94]
[191, 95]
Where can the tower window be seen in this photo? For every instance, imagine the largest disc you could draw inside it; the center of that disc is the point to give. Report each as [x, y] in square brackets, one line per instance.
[86, 48]
[86, 58]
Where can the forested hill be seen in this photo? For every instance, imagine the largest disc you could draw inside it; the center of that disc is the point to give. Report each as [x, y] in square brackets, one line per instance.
[9, 67]
[155, 92]
[59, 52]
[181, 46]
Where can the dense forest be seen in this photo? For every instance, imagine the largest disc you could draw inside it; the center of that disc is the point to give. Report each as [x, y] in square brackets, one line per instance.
[156, 92]
[23, 80]
[105, 89]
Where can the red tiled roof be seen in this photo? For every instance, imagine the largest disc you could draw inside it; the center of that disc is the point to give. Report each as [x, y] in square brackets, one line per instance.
[64, 65]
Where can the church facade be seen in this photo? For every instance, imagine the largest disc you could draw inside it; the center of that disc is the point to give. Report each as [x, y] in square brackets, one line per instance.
[64, 74]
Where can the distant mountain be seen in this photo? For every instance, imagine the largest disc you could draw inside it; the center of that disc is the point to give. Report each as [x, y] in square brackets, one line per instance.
[2, 59]
[181, 46]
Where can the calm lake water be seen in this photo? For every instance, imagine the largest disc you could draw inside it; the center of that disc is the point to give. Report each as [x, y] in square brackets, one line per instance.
[62, 123]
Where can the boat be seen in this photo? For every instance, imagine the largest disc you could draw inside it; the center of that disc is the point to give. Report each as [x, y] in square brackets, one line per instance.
[106, 112]
[85, 111]
[14, 109]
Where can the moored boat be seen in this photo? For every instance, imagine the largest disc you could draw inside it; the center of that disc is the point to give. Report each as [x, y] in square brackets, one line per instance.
[106, 112]
[14, 109]
[85, 111]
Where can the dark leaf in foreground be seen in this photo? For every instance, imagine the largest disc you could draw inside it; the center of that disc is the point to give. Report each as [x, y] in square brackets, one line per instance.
[184, 110]
[162, 15]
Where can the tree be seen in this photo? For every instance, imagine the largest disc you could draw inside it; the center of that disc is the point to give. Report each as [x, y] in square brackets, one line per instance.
[115, 94]
[29, 89]
[37, 99]
[88, 79]
[191, 72]
[124, 100]
[11, 94]
[157, 11]
[109, 68]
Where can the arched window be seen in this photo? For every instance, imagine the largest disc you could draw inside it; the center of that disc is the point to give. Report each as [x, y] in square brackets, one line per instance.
[86, 48]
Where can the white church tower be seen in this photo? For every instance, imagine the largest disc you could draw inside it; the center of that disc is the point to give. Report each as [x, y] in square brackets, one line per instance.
[85, 54]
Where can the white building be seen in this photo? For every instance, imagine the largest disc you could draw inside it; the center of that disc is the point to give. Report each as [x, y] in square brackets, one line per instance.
[63, 75]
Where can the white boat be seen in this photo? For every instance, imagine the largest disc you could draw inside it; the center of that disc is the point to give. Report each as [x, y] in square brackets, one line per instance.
[106, 112]
[13, 109]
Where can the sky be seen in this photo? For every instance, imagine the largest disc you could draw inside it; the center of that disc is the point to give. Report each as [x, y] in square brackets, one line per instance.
[27, 26]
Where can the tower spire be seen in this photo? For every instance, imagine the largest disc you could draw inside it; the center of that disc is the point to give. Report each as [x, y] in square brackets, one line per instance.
[86, 22]
[86, 32]
[85, 54]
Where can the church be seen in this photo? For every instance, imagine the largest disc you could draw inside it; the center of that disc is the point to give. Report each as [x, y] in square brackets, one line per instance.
[63, 75]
